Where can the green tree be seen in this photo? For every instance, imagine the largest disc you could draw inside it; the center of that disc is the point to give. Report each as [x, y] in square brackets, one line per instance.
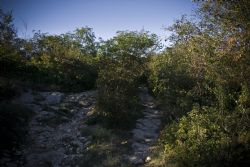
[8, 52]
[133, 43]
[121, 68]
[67, 60]
[212, 53]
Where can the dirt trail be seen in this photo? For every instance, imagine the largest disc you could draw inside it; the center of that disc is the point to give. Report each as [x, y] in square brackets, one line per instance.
[146, 131]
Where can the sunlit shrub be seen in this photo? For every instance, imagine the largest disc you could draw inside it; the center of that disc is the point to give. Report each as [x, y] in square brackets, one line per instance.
[208, 137]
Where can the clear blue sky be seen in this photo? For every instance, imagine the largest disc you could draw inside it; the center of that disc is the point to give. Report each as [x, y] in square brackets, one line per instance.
[104, 16]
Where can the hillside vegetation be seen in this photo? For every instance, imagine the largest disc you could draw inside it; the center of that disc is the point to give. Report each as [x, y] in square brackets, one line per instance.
[201, 81]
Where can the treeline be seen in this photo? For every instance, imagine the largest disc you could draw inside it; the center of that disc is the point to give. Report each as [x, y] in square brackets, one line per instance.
[68, 61]
[76, 62]
[202, 80]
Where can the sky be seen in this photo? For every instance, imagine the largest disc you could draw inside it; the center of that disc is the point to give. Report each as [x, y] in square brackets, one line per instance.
[106, 17]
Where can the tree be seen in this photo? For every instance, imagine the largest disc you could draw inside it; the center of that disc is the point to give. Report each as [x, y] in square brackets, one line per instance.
[122, 66]
[130, 43]
[213, 53]
[86, 38]
[8, 51]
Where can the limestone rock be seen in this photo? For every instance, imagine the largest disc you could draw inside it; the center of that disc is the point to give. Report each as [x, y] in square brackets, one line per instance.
[52, 98]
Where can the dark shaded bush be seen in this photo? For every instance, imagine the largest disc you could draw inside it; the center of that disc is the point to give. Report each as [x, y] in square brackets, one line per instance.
[117, 93]
[121, 72]
[14, 120]
[7, 90]
[69, 74]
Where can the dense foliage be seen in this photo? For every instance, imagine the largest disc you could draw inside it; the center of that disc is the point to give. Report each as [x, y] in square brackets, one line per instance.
[204, 78]
[68, 61]
[121, 70]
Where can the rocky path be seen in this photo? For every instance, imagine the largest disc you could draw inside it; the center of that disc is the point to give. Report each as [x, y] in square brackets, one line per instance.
[146, 131]
[55, 137]
[57, 132]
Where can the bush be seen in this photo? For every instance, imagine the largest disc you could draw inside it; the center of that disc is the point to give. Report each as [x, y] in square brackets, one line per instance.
[207, 69]
[69, 74]
[120, 74]
[68, 61]
[170, 81]
[207, 137]
[14, 120]
[7, 90]
[117, 92]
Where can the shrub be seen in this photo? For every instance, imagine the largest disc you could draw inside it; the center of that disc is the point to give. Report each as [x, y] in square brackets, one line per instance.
[14, 120]
[117, 91]
[170, 81]
[207, 137]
